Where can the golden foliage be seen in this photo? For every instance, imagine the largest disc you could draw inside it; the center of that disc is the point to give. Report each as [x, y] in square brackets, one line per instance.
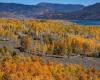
[52, 34]
[34, 69]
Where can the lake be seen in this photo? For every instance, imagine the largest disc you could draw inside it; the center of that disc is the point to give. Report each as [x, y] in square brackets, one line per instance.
[86, 22]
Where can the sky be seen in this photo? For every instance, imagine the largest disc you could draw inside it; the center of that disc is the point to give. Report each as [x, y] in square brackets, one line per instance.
[33, 2]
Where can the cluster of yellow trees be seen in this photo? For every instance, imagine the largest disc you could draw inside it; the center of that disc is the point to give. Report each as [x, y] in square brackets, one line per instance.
[47, 37]
[54, 37]
[22, 67]
[64, 38]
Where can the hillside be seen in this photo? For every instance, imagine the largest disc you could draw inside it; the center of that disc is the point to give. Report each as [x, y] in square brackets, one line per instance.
[61, 7]
[21, 10]
[33, 11]
[50, 11]
[48, 50]
[89, 12]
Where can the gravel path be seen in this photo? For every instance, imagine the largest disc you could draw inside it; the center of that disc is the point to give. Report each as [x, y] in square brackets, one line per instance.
[84, 61]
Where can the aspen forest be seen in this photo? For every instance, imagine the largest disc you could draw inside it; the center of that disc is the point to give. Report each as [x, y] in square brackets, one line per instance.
[26, 45]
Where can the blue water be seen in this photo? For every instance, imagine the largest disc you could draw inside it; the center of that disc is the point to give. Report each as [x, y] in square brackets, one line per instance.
[86, 22]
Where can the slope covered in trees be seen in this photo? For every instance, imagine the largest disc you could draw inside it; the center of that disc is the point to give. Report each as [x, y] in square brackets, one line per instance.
[52, 37]
[22, 67]
[46, 37]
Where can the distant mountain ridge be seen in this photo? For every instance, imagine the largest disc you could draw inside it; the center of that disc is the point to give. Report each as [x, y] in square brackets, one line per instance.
[33, 11]
[61, 7]
[88, 12]
[50, 11]
[22, 10]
